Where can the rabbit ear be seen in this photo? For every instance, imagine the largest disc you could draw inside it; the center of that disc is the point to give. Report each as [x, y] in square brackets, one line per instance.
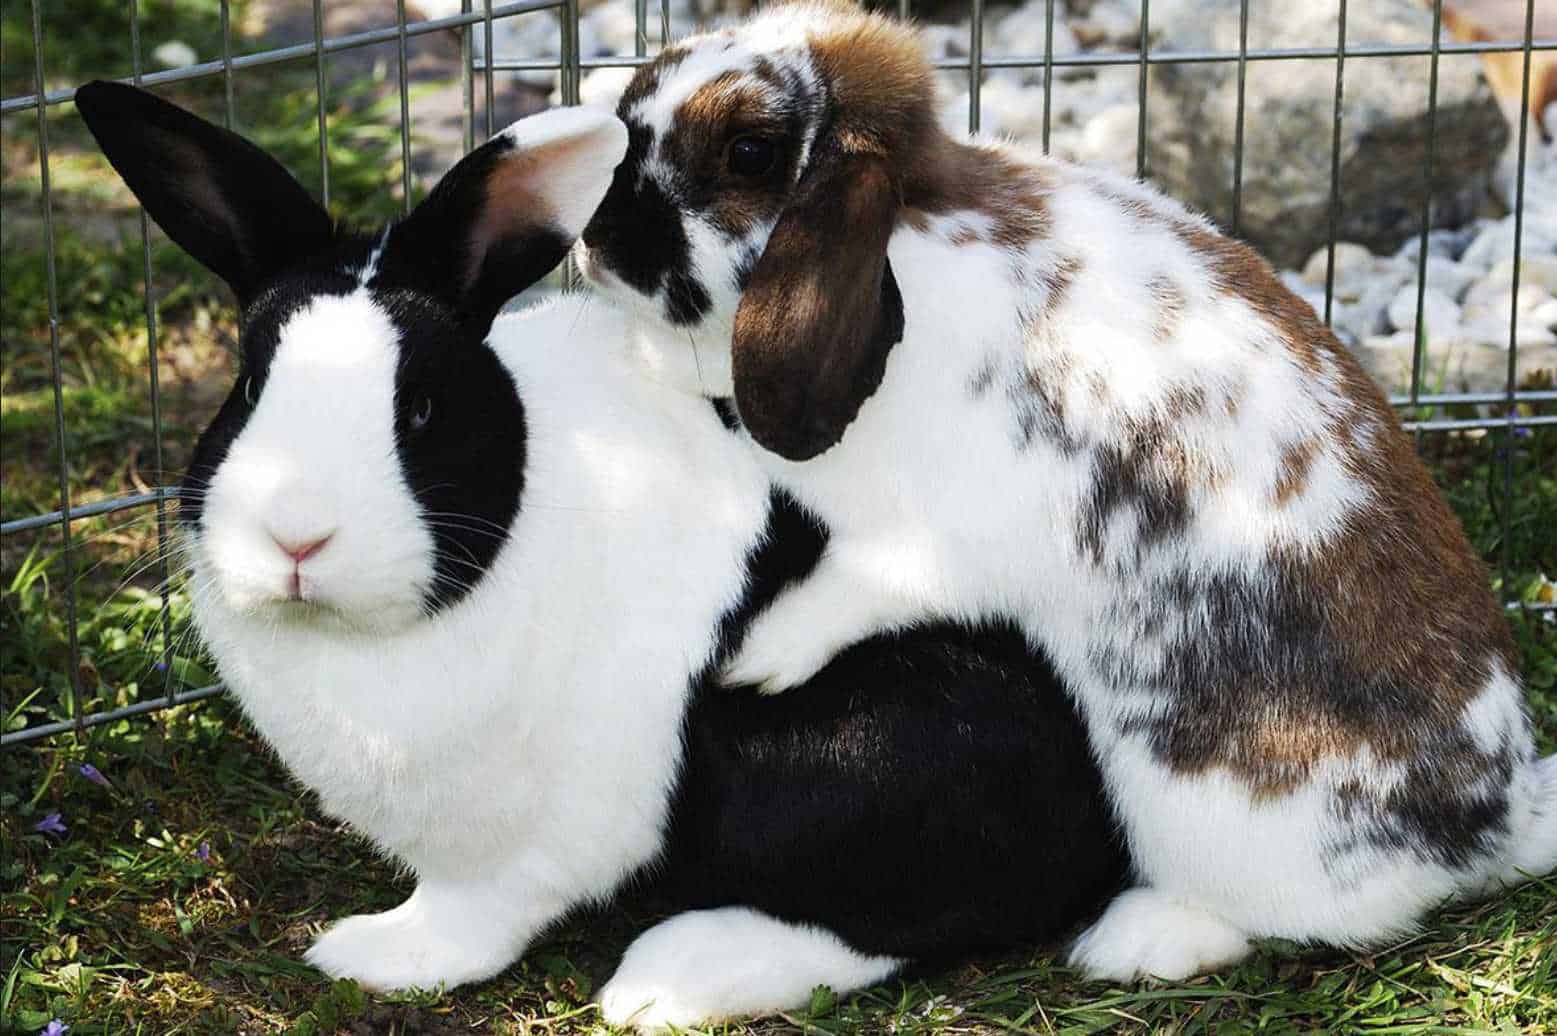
[510, 210]
[821, 310]
[220, 198]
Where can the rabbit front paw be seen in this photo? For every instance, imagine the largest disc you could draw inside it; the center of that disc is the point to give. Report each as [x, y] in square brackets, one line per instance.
[405, 948]
[784, 648]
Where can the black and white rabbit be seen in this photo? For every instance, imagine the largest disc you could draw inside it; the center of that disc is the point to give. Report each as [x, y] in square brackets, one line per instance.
[1016, 387]
[472, 576]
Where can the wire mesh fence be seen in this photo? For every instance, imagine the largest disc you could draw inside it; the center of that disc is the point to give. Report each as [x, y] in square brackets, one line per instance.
[1508, 412]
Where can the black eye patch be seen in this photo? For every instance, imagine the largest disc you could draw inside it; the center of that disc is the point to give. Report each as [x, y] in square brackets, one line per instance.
[637, 234]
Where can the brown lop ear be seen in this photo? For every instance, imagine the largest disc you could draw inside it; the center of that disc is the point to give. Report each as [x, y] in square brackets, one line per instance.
[821, 310]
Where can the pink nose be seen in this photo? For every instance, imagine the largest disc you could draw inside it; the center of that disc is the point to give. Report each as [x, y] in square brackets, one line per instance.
[301, 552]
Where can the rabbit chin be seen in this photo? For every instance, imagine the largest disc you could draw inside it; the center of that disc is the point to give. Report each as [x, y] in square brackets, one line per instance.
[342, 597]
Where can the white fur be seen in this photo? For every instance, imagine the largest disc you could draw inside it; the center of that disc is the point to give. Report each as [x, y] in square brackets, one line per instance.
[1536, 854]
[1146, 934]
[710, 964]
[938, 508]
[578, 173]
[516, 749]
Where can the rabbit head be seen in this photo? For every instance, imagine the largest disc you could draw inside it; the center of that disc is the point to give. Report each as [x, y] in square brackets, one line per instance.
[766, 169]
[367, 463]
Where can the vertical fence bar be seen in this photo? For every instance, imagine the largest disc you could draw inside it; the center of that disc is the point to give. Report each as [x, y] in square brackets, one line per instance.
[164, 613]
[467, 79]
[1335, 162]
[975, 65]
[486, 29]
[319, 88]
[1419, 346]
[227, 115]
[1510, 410]
[1048, 71]
[1140, 124]
[640, 28]
[572, 77]
[405, 109]
[902, 10]
[67, 546]
[664, 23]
[1243, 68]
[571, 73]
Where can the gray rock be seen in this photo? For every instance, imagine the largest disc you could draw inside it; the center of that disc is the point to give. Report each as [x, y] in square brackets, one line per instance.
[1353, 262]
[1447, 242]
[1494, 241]
[1490, 304]
[1440, 316]
[1289, 105]
[1534, 268]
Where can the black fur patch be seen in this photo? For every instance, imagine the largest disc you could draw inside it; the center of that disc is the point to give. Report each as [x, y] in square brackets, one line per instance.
[636, 233]
[1450, 808]
[466, 466]
[724, 407]
[1130, 479]
[926, 794]
[425, 254]
[223, 200]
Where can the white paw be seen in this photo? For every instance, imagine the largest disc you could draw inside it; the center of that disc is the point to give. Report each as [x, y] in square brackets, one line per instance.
[669, 982]
[399, 950]
[709, 965]
[1146, 933]
[628, 1003]
[782, 649]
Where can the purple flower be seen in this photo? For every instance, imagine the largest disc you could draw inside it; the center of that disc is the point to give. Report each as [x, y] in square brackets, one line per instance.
[160, 667]
[94, 775]
[50, 825]
[54, 1028]
[204, 852]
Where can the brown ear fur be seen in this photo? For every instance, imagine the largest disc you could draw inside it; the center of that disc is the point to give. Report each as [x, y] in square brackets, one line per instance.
[822, 309]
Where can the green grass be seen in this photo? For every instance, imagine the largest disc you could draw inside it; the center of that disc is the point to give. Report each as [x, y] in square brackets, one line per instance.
[119, 926]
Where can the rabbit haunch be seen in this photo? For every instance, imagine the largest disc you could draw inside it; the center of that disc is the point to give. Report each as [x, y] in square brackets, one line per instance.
[1015, 387]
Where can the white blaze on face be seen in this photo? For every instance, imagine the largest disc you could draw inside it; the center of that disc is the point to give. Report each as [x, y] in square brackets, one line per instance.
[317, 459]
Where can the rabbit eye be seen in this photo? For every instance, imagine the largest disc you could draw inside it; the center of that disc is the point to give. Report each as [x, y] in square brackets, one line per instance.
[751, 156]
[250, 396]
[421, 412]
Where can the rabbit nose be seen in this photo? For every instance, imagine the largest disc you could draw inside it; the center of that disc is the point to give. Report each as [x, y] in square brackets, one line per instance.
[301, 552]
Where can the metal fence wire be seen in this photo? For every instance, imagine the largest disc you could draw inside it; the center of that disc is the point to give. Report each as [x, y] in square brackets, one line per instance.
[479, 16]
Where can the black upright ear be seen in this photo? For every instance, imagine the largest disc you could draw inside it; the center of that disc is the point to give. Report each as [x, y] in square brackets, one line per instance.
[510, 210]
[220, 198]
[822, 309]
